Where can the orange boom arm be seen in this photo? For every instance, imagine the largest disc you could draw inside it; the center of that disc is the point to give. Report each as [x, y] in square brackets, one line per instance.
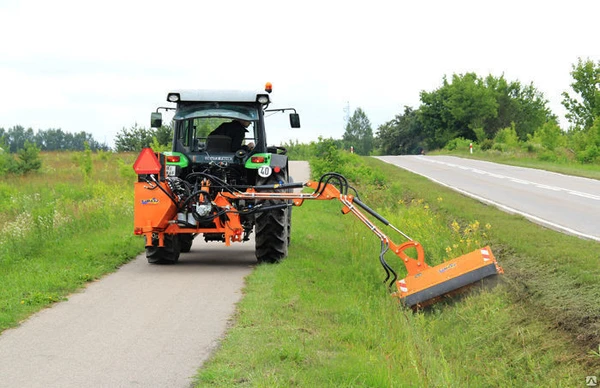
[423, 284]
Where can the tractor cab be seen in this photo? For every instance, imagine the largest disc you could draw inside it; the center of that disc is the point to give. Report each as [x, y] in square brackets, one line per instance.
[200, 116]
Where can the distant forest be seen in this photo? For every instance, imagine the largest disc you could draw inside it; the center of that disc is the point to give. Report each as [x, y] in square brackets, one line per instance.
[15, 138]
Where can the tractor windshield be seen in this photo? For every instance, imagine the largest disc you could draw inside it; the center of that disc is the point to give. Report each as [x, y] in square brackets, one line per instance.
[195, 121]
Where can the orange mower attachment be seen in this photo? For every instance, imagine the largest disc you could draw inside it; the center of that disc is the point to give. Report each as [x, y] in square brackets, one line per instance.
[423, 284]
[425, 287]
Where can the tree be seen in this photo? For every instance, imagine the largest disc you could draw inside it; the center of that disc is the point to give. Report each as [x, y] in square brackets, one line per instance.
[49, 140]
[164, 135]
[469, 103]
[16, 137]
[136, 138]
[359, 133]
[29, 158]
[402, 135]
[549, 135]
[456, 109]
[133, 139]
[522, 105]
[585, 107]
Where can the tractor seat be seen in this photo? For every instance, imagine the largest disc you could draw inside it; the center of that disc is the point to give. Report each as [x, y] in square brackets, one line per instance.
[218, 143]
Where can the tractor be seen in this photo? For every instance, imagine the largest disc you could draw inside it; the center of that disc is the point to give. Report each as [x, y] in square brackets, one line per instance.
[205, 161]
[222, 182]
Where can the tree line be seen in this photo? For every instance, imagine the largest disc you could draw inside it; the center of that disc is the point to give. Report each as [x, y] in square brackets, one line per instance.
[491, 112]
[15, 139]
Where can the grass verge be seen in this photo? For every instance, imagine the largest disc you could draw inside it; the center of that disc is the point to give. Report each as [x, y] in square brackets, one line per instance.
[61, 228]
[323, 317]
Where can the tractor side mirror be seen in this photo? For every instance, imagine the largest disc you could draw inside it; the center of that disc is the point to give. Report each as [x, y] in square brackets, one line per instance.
[155, 120]
[294, 120]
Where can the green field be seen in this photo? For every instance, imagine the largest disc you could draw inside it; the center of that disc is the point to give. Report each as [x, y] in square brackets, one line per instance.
[61, 228]
[323, 317]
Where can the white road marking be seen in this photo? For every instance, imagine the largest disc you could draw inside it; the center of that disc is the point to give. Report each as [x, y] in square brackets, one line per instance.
[521, 181]
[509, 209]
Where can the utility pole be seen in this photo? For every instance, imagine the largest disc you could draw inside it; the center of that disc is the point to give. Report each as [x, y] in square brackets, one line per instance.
[346, 114]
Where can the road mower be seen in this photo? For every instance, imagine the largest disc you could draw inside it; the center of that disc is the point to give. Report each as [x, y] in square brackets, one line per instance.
[206, 188]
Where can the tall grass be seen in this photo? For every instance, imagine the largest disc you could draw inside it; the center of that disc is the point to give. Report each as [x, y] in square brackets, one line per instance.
[62, 227]
[323, 317]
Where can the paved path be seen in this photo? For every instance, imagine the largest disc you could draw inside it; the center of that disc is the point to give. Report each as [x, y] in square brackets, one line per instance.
[142, 326]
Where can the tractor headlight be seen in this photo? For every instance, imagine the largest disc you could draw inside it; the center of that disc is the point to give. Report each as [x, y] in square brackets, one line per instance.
[262, 98]
[173, 97]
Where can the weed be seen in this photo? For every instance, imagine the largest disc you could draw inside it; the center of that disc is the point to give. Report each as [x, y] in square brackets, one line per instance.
[594, 353]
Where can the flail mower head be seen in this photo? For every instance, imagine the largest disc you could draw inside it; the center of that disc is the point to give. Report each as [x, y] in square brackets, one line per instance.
[449, 278]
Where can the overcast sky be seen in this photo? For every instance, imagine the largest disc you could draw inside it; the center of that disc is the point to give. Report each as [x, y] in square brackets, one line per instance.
[99, 66]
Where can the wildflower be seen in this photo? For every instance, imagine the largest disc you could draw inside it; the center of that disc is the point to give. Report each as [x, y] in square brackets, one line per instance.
[448, 249]
[455, 226]
[440, 199]
[488, 226]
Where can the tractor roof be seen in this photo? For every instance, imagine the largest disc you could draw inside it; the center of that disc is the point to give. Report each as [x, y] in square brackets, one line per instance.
[218, 95]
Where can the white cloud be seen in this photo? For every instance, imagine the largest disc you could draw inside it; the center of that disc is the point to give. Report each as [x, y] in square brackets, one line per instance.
[102, 66]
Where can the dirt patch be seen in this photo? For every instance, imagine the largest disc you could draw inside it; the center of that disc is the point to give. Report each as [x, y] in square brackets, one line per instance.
[549, 296]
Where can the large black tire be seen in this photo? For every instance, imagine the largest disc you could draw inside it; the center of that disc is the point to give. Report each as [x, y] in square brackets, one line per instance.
[272, 227]
[185, 242]
[169, 254]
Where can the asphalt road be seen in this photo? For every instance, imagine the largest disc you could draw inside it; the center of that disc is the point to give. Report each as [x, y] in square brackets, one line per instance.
[561, 202]
[142, 326]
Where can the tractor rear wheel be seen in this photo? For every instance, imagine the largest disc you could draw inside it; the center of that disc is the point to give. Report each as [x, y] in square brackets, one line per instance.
[272, 226]
[169, 254]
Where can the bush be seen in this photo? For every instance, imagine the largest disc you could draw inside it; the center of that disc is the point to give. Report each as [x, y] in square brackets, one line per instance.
[550, 135]
[500, 147]
[547, 156]
[507, 136]
[458, 143]
[590, 155]
[533, 147]
[28, 159]
[486, 144]
[329, 158]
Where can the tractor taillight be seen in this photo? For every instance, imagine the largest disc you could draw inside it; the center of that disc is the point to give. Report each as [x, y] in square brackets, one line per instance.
[276, 169]
[173, 159]
[258, 159]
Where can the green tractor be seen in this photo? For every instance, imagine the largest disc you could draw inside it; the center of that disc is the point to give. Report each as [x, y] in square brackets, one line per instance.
[219, 145]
